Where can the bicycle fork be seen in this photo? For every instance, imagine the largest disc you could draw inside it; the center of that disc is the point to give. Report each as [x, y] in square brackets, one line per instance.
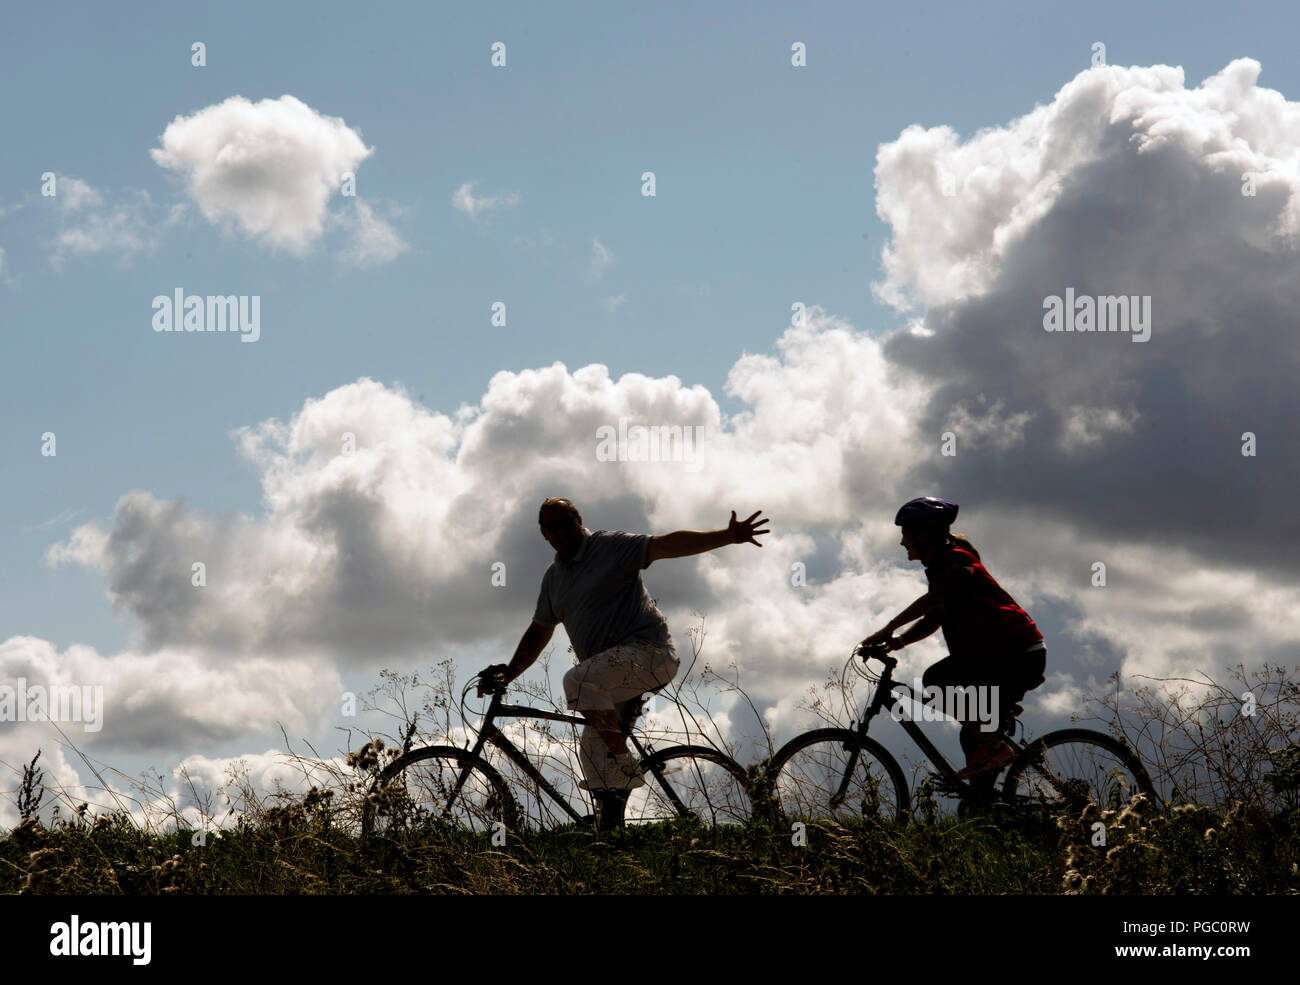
[837, 798]
[476, 753]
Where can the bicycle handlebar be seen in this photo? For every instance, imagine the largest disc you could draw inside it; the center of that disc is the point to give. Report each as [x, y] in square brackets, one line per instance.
[491, 680]
[878, 650]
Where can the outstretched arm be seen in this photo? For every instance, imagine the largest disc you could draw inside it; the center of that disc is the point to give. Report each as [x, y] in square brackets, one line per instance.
[683, 543]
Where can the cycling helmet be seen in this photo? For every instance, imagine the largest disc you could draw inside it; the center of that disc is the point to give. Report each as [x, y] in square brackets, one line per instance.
[926, 511]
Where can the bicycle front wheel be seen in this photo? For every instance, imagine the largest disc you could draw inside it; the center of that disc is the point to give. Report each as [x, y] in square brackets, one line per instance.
[437, 785]
[831, 773]
[1065, 770]
[696, 782]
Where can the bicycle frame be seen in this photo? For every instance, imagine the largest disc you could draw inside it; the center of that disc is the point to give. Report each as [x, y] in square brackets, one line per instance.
[1034, 760]
[885, 691]
[490, 733]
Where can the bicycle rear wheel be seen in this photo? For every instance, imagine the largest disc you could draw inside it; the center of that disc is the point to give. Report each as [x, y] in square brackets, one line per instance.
[415, 792]
[704, 783]
[1064, 770]
[831, 773]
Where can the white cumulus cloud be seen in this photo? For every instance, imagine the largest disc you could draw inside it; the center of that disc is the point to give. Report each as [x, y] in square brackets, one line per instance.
[268, 167]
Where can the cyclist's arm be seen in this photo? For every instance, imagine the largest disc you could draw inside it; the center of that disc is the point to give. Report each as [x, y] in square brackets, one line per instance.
[925, 605]
[683, 543]
[923, 628]
[530, 647]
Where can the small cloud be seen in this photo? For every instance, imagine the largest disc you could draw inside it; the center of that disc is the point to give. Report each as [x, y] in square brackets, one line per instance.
[270, 167]
[374, 241]
[614, 303]
[126, 227]
[86, 546]
[992, 428]
[1085, 428]
[545, 238]
[5, 276]
[73, 194]
[464, 199]
[63, 517]
[601, 257]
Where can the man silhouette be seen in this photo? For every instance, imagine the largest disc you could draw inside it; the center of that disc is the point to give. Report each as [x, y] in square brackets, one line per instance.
[619, 636]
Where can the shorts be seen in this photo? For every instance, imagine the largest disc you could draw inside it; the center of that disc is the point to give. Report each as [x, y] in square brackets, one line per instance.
[618, 674]
[1014, 675]
[608, 679]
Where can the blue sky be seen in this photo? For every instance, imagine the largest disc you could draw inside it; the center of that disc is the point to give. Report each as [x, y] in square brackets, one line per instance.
[767, 194]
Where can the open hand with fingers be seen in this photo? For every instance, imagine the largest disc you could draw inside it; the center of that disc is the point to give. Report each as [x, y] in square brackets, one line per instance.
[743, 531]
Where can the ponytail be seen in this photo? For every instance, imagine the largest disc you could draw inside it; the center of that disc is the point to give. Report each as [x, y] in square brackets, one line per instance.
[958, 541]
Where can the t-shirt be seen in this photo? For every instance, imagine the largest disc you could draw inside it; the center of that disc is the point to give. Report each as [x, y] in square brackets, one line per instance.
[599, 595]
[979, 618]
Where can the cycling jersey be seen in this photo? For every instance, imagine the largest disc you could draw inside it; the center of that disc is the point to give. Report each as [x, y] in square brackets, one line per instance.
[978, 617]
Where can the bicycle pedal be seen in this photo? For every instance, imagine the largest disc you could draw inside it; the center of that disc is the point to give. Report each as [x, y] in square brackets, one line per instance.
[941, 784]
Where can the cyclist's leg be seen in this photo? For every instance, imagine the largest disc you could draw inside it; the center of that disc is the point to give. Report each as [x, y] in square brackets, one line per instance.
[946, 672]
[958, 672]
[1033, 669]
[980, 709]
[1025, 673]
[1018, 674]
[1013, 676]
[622, 673]
[611, 808]
[600, 684]
[584, 696]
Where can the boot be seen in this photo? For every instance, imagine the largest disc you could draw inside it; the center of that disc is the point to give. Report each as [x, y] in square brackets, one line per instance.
[610, 806]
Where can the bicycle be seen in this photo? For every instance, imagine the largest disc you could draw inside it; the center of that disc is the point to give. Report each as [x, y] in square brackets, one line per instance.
[461, 787]
[843, 773]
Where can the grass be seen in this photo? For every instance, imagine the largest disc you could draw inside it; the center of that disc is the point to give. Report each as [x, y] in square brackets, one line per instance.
[1232, 767]
[301, 852]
